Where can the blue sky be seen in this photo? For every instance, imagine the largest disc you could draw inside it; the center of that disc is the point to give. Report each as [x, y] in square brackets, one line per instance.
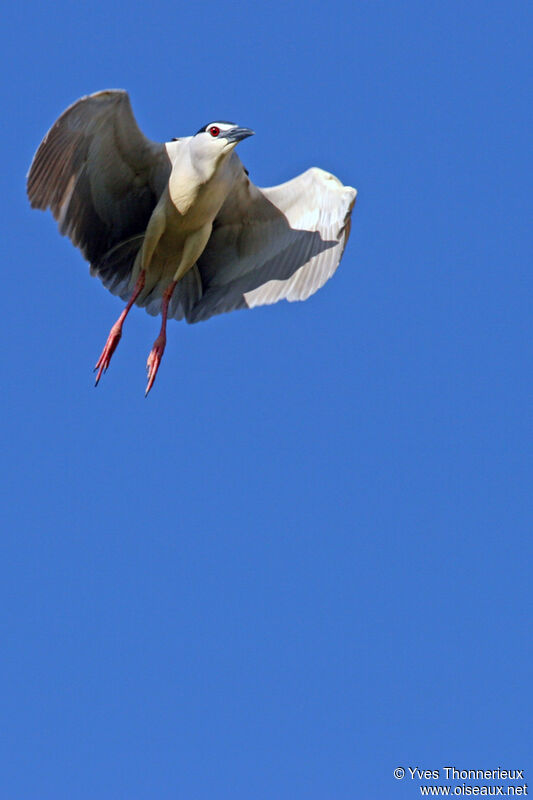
[304, 560]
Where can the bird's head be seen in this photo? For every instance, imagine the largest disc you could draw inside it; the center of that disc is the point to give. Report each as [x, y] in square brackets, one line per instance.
[215, 141]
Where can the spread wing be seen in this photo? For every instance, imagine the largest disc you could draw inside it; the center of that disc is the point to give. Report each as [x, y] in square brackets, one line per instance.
[269, 244]
[101, 178]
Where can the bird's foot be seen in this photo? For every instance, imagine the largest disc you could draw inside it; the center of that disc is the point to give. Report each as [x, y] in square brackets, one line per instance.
[110, 346]
[154, 360]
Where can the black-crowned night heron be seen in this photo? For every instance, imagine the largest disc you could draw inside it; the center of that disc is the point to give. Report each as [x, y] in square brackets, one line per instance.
[179, 228]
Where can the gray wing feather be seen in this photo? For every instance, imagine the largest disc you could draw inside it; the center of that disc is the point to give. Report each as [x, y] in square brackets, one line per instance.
[283, 242]
[101, 178]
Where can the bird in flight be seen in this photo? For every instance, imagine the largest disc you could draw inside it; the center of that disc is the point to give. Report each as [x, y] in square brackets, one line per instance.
[178, 228]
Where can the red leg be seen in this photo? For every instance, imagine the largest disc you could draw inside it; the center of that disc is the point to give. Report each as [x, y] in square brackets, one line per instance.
[116, 331]
[156, 353]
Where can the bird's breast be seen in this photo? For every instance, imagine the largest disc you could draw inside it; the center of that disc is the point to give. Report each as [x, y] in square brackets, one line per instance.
[195, 201]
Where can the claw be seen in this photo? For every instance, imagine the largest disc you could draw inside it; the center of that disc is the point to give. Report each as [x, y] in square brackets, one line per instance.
[154, 360]
[110, 346]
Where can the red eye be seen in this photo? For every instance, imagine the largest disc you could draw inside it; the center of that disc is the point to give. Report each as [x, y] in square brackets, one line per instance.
[214, 131]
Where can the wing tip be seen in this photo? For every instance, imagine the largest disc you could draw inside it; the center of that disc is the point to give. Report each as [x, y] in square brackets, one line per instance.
[103, 94]
[332, 182]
